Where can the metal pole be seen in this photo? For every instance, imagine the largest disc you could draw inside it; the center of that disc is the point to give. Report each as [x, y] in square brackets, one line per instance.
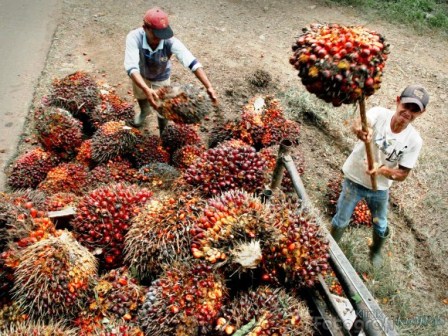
[277, 175]
[296, 181]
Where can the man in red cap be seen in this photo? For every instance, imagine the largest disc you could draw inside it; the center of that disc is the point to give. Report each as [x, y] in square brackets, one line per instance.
[147, 62]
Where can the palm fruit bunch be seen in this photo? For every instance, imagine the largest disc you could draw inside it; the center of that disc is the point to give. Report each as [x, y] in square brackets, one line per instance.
[37, 329]
[84, 155]
[302, 251]
[340, 63]
[31, 168]
[361, 216]
[60, 200]
[78, 93]
[58, 131]
[10, 313]
[160, 233]
[67, 177]
[175, 136]
[112, 108]
[184, 300]
[264, 124]
[185, 104]
[113, 139]
[158, 175]
[54, 277]
[103, 218]
[119, 170]
[234, 231]
[185, 156]
[231, 165]
[147, 149]
[117, 296]
[270, 154]
[102, 326]
[264, 312]
[224, 131]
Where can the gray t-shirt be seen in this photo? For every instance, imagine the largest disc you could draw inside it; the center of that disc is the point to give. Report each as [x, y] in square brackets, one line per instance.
[389, 149]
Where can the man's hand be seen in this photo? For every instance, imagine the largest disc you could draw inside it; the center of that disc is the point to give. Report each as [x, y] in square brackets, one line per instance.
[365, 136]
[376, 170]
[152, 97]
[212, 94]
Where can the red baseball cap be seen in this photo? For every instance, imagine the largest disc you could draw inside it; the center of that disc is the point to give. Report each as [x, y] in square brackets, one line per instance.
[157, 20]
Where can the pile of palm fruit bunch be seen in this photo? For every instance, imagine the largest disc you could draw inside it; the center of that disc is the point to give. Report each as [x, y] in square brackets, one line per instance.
[185, 104]
[340, 63]
[361, 215]
[166, 236]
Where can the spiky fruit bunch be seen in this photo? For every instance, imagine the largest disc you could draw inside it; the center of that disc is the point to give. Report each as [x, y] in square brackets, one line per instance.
[37, 329]
[235, 230]
[158, 175]
[230, 129]
[160, 233]
[113, 171]
[58, 131]
[84, 155]
[175, 136]
[54, 277]
[340, 63]
[112, 108]
[67, 177]
[10, 313]
[183, 301]
[302, 251]
[101, 326]
[185, 156]
[103, 218]
[265, 312]
[31, 168]
[113, 139]
[78, 93]
[362, 216]
[184, 104]
[60, 201]
[148, 149]
[231, 165]
[117, 296]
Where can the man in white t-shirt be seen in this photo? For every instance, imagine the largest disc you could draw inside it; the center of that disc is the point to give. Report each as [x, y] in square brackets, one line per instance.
[396, 146]
[147, 62]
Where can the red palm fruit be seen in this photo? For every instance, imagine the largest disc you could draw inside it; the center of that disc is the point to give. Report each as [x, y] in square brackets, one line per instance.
[60, 201]
[340, 63]
[184, 300]
[111, 108]
[175, 136]
[185, 156]
[148, 149]
[54, 277]
[78, 93]
[110, 172]
[31, 168]
[11, 314]
[160, 233]
[234, 214]
[228, 130]
[67, 177]
[265, 312]
[116, 296]
[103, 218]
[58, 131]
[113, 139]
[38, 329]
[84, 155]
[185, 104]
[231, 165]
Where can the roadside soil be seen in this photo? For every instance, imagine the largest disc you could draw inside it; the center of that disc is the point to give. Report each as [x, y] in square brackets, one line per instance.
[235, 38]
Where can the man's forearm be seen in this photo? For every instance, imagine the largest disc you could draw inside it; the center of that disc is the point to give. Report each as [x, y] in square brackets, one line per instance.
[395, 174]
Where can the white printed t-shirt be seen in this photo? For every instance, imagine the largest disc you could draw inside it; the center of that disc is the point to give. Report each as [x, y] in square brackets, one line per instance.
[389, 149]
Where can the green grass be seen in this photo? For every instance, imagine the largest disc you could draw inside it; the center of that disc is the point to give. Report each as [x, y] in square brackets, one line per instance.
[423, 15]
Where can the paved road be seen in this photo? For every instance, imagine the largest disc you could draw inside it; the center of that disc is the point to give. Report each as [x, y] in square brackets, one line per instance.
[26, 31]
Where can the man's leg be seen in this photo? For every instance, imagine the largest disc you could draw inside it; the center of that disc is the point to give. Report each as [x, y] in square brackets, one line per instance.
[378, 203]
[161, 121]
[145, 110]
[350, 196]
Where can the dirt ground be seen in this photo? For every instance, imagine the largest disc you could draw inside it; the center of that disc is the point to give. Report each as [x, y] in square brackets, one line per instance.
[233, 39]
